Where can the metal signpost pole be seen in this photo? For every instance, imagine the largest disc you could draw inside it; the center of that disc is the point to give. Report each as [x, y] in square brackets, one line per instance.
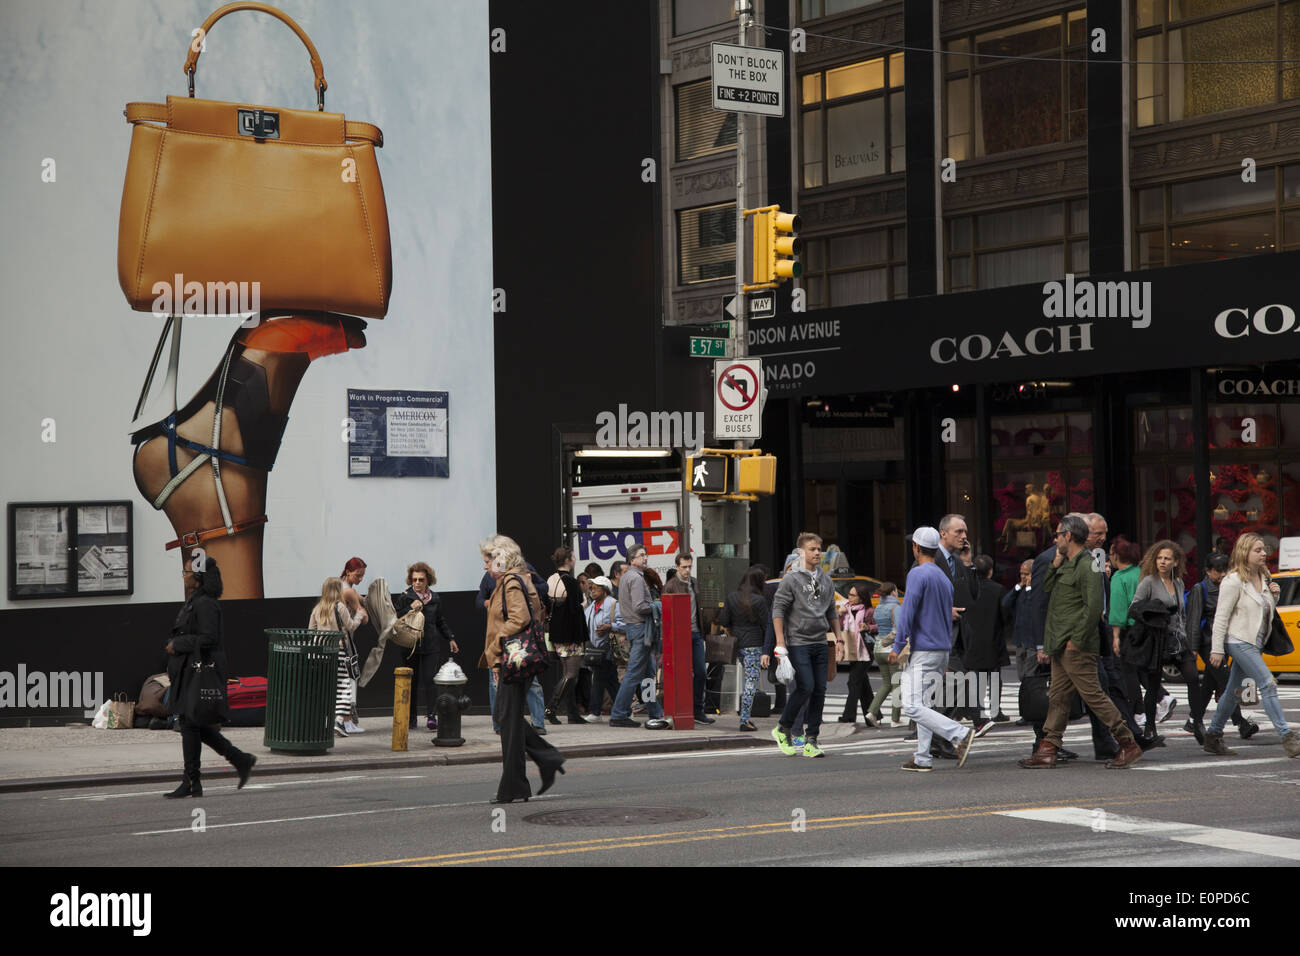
[740, 336]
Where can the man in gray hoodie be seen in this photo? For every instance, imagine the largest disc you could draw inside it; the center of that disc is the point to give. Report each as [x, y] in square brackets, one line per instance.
[802, 611]
[635, 607]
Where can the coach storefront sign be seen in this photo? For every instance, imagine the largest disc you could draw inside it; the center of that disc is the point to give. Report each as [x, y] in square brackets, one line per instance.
[1240, 312]
[1233, 384]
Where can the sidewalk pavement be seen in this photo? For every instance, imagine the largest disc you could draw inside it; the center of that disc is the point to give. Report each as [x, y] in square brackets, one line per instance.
[77, 755]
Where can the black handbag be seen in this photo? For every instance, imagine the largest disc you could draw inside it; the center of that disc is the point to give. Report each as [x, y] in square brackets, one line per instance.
[1034, 696]
[719, 648]
[1279, 642]
[523, 655]
[205, 694]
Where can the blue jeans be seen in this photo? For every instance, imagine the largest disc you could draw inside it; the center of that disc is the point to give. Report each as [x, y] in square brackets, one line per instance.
[640, 665]
[1248, 661]
[536, 703]
[810, 662]
[699, 682]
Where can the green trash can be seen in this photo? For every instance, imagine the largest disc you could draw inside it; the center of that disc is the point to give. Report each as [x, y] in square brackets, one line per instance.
[301, 684]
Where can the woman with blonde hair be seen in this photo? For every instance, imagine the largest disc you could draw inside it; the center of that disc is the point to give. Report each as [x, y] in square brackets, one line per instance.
[512, 606]
[332, 613]
[1243, 622]
[1161, 579]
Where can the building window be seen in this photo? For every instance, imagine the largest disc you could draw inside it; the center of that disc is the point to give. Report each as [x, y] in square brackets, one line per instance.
[1218, 217]
[1042, 470]
[999, 105]
[692, 15]
[1016, 246]
[812, 9]
[1254, 486]
[1192, 57]
[701, 130]
[706, 243]
[859, 267]
[853, 121]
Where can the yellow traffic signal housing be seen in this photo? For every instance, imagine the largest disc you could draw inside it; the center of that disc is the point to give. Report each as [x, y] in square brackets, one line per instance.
[757, 475]
[775, 246]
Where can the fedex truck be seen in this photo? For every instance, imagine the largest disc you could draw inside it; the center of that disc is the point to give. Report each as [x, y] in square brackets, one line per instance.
[648, 510]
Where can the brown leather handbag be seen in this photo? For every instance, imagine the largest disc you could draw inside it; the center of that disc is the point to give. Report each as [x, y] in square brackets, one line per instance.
[219, 194]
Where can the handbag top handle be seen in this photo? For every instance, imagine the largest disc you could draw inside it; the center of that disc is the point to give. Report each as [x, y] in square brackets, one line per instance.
[192, 60]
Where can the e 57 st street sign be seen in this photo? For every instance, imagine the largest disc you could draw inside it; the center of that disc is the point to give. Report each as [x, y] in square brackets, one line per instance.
[748, 79]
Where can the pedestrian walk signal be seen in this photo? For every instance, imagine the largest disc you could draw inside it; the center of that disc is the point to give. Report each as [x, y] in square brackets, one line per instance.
[706, 474]
[776, 247]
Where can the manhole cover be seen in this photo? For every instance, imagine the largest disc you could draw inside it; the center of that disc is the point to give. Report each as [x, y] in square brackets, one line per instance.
[616, 816]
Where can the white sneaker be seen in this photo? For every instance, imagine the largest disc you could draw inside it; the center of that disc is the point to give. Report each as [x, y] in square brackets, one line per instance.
[592, 718]
[1165, 708]
[353, 728]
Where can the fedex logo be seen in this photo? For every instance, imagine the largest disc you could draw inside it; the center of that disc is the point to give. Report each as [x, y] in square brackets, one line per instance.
[604, 545]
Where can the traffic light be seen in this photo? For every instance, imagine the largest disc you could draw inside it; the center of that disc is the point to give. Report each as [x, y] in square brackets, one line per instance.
[775, 246]
[757, 475]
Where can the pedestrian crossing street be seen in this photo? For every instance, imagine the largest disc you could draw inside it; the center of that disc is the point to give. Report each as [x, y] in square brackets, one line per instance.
[1009, 741]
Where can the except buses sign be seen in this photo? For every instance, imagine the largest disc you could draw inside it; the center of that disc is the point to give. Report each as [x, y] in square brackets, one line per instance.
[748, 79]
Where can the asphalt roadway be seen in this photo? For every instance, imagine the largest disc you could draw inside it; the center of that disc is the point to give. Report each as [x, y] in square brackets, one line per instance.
[1178, 807]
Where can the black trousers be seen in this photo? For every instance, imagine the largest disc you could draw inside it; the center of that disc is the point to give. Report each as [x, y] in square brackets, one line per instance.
[519, 739]
[194, 736]
[426, 669]
[1111, 679]
[604, 677]
[859, 690]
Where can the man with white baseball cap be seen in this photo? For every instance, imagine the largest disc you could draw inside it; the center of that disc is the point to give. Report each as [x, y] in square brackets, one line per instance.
[923, 633]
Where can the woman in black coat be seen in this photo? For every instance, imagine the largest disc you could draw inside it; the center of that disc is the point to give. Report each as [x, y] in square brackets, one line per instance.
[196, 639]
[424, 661]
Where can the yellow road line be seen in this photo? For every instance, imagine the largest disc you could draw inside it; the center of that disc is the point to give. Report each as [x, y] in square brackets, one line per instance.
[753, 829]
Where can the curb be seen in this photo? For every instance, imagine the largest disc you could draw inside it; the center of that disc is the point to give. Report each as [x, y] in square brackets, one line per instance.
[630, 748]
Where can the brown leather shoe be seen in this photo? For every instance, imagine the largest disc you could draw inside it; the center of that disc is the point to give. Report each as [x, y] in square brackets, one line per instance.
[1044, 757]
[1129, 754]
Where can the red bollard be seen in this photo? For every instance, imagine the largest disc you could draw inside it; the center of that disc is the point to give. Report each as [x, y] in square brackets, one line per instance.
[679, 677]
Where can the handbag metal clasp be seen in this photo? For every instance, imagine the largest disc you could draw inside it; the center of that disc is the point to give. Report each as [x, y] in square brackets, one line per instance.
[260, 124]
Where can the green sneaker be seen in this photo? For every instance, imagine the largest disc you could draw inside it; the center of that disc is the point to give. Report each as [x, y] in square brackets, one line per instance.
[810, 748]
[783, 741]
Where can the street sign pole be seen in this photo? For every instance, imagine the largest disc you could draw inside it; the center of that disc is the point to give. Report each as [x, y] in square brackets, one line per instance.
[741, 347]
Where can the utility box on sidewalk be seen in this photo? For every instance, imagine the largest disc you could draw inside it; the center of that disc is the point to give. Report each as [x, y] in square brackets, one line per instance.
[301, 684]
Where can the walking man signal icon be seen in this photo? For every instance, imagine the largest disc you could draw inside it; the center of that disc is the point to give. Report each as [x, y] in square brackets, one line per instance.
[707, 473]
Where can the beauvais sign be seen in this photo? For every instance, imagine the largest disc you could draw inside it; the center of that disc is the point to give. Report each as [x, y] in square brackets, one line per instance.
[1238, 312]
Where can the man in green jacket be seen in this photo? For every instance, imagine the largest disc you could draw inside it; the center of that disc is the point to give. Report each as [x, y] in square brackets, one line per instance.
[1071, 640]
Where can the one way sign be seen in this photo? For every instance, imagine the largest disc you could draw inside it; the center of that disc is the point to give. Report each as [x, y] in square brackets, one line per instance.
[707, 474]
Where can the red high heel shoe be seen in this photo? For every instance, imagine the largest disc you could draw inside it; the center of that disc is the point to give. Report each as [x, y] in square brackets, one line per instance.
[241, 385]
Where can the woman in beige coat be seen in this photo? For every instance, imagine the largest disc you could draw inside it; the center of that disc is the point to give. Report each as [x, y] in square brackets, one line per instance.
[1242, 623]
[514, 602]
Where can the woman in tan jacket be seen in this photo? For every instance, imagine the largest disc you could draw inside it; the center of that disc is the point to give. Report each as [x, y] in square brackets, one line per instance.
[1242, 623]
[513, 601]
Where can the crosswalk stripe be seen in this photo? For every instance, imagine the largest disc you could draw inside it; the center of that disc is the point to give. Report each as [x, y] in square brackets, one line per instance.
[1238, 841]
[1220, 763]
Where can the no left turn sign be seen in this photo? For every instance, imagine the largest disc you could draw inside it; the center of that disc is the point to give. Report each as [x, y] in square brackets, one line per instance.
[737, 385]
